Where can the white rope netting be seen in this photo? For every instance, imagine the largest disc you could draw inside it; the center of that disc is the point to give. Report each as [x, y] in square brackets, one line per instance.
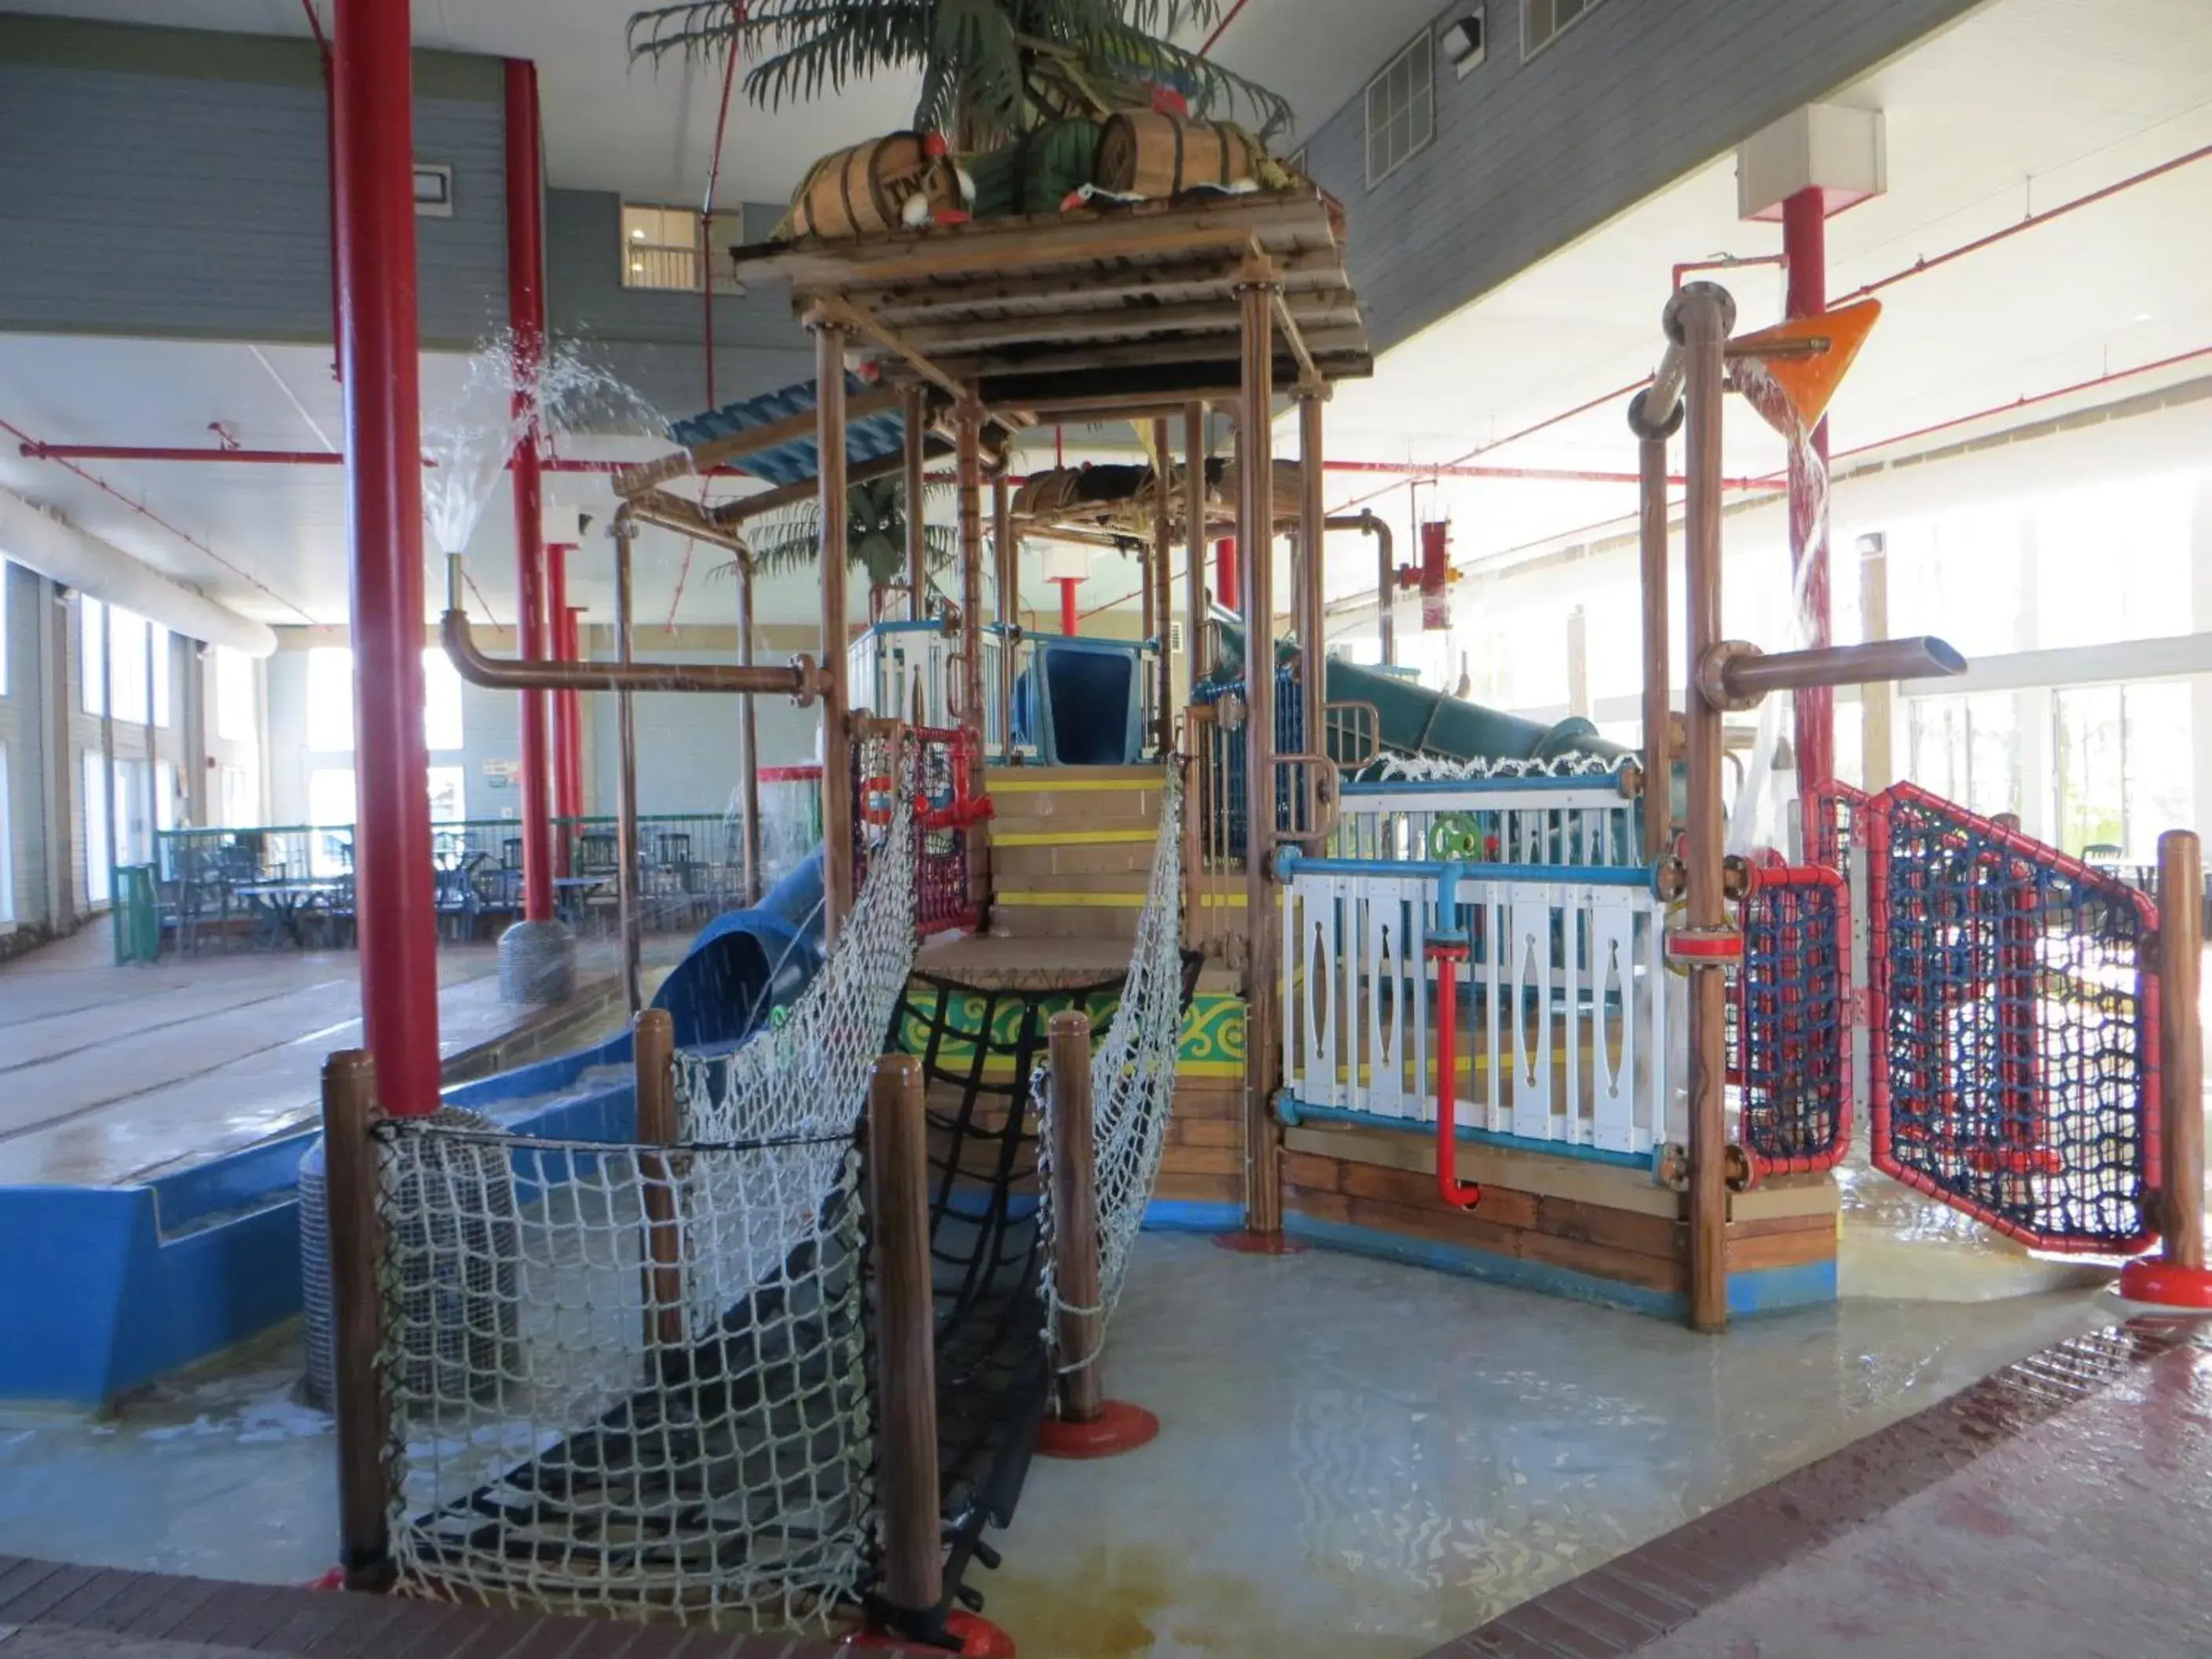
[1133, 1076]
[570, 1434]
[583, 1423]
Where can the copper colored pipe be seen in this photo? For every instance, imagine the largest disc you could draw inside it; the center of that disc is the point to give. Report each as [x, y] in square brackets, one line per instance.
[1386, 574]
[1750, 675]
[1658, 649]
[799, 681]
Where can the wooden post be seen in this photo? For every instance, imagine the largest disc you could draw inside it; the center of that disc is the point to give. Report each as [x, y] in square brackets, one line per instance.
[356, 1245]
[748, 738]
[1008, 549]
[1313, 540]
[914, 403]
[837, 675]
[1163, 584]
[1194, 537]
[1075, 1220]
[652, 1049]
[1658, 648]
[1083, 1422]
[967, 425]
[626, 894]
[906, 1327]
[2176, 1277]
[1704, 322]
[1256, 287]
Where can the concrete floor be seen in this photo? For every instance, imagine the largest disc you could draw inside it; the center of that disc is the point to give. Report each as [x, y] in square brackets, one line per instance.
[112, 1074]
[1357, 1459]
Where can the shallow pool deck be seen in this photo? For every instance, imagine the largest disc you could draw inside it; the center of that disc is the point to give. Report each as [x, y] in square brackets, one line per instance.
[1357, 1458]
[111, 1075]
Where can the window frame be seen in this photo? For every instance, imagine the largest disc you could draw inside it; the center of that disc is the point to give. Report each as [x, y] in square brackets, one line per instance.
[1423, 44]
[1584, 8]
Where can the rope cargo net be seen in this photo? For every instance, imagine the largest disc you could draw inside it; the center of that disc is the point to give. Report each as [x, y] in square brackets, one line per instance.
[570, 1432]
[1133, 1078]
[1790, 1006]
[629, 1379]
[2014, 1011]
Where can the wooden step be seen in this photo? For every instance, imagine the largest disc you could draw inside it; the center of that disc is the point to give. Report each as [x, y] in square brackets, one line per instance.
[1025, 862]
[1042, 810]
[1032, 779]
[1105, 885]
[1048, 920]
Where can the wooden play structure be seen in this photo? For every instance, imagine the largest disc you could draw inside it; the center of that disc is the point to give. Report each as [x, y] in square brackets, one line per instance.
[1512, 1014]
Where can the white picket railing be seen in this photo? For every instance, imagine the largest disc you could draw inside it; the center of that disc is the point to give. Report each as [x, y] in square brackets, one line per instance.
[1563, 1018]
[1579, 819]
[898, 668]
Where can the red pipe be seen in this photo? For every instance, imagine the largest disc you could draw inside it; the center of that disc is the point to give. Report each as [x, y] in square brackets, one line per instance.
[1917, 268]
[1224, 572]
[525, 319]
[1529, 474]
[379, 350]
[1459, 1194]
[1221, 28]
[1068, 618]
[1728, 262]
[31, 446]
[1805, 250]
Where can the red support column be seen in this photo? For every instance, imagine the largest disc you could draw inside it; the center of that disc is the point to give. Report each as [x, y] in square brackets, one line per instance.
[372, 101]
[1805, 248]
[525, 314]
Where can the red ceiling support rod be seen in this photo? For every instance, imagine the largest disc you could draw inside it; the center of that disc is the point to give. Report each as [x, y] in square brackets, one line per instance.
[526, 318]
[372, 102]
[1805, 257]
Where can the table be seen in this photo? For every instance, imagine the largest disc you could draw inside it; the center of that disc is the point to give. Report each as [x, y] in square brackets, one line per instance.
[281, 903]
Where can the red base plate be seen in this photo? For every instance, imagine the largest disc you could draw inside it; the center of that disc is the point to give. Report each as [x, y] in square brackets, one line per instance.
[1251, 1243]
[1119, 1427]
[979, 1638]
[332, 1580]
[2161, 1282]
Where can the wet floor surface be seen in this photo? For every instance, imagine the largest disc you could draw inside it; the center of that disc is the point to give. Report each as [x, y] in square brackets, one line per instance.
[2083, 1538]
[111, 1074]
[1357, 1458]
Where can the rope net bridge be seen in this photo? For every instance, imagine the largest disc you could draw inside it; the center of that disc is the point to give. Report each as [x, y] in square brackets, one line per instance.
[678, 1377]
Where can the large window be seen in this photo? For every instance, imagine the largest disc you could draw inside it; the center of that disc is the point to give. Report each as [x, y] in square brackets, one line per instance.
[7, 845]
[331, 804]
[329, 700]
[663, 247]
[2120, 770]
[140, 669]
[1968, 749]
[235, 699]
[95, 796]
[1401, 108]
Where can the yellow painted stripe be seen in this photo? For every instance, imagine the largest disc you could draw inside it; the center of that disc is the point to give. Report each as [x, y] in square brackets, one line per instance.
[1077, 901]
[1221, 900]
[1072, 837]
[996, 784]
[1210, 1068]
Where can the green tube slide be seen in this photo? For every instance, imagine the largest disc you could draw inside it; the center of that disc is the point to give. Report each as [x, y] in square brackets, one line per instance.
[1415, 720]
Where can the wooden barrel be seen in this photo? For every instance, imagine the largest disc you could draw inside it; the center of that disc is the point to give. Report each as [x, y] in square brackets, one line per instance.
[860, 191]
[1149, 152]
[1046, 495]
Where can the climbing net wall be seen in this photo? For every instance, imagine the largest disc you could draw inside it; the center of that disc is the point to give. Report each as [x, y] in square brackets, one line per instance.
[635, 1378]
[1791, 1036]
[571, 1430]
[2014, 1010]
[1133, 1076]
[940, 771]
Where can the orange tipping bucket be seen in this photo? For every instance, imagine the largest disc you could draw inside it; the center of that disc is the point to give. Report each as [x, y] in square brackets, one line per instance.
[1806, 380]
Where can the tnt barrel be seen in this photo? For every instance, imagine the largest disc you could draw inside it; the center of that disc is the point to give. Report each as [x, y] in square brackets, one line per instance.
[865, 189]
[1147, 152]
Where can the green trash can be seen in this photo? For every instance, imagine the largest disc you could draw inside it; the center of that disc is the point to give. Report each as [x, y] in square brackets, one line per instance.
[137, 914]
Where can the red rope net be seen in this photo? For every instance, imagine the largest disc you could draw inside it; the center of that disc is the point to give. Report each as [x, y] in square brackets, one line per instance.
[2014, 1010]
[942, 767]
[1792, 1000]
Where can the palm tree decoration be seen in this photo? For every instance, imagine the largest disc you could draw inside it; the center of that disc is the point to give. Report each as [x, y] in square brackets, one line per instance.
[875, 535]
[992, 70]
